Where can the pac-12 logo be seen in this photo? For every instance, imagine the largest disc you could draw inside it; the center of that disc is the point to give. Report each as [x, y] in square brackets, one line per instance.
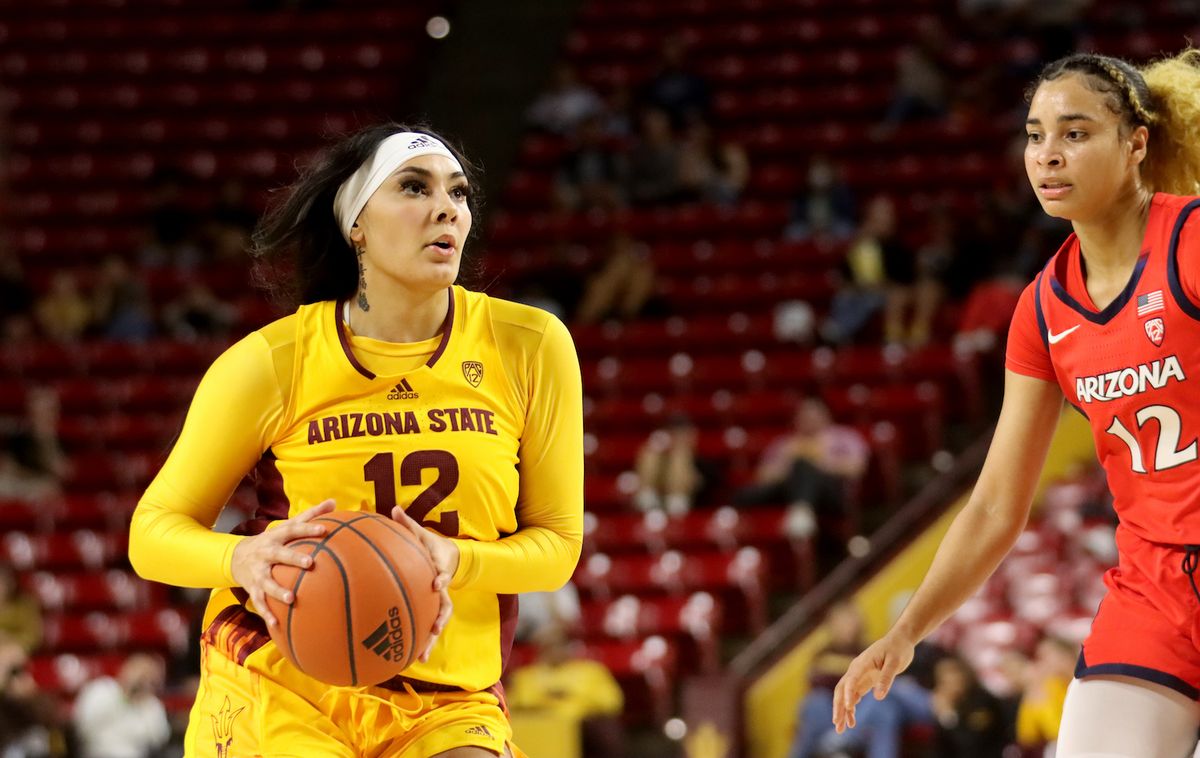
[473, 371]
[1156, 330]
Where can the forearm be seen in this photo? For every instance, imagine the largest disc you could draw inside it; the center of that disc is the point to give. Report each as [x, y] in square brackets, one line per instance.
[974, 546]
[534, 559]
[173, 548]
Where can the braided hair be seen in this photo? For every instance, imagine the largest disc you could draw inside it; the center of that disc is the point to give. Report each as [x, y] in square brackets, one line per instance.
[1164, 97]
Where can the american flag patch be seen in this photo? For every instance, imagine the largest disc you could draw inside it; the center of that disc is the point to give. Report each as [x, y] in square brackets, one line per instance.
[1149, 303]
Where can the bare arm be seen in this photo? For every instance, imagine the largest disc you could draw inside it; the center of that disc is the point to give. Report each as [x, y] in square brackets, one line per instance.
[981, 535]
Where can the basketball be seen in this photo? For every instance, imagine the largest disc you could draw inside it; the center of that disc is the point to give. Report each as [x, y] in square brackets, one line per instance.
[364, 611]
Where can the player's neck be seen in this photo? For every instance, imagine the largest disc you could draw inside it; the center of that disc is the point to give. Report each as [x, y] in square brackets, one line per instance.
[404, 316]
[1112, 242]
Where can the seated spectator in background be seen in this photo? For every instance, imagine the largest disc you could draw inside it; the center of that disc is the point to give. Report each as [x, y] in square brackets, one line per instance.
[970, 720]
[622, 286]
[812, 468]
[592, 171]
[120, 305]
[172, 226]
[20, 613]
[573, 689]
[670, 473]
[16, 296]
[675, 88]
[540, 610]
[18, 484]
[922, 83]
[912, 308]
[880, 725]
[35, 444]
[198, 314]
[63, 314]
[1046, 680]
[29, 726]
[123, 717]
[987, 314]
[230, 222]
[565, 104]
[879, 267]
[710, 169]
[653, 176]
[824, 209]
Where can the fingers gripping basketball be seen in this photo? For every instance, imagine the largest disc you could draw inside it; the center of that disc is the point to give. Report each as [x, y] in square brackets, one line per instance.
[364, 611]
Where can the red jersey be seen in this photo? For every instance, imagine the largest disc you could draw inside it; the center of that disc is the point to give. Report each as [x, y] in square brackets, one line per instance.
[1126, 367]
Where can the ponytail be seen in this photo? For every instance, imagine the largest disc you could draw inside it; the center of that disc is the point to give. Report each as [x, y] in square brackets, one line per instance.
[1172, 162]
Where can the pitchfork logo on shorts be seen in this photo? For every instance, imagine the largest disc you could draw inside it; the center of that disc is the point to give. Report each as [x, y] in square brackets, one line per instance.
[473, 371]
[222, 724]
[1156, 330]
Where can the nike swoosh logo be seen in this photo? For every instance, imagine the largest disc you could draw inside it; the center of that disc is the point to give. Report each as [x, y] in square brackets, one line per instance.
[1057, 338]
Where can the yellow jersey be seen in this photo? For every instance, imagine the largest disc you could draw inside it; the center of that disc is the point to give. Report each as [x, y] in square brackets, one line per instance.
[477, 432]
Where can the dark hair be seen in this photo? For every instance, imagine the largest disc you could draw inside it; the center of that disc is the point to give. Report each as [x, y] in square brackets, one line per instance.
[300, 255]
[1128, 95]
[1163, 96]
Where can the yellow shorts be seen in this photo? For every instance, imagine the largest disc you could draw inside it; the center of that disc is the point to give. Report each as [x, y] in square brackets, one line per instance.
[267, 709]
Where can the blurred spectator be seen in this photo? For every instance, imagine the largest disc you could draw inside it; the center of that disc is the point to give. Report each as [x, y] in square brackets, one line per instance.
[566, 104]
[670, 473]
[230, 222]
[591, 172]
[172, 225]
[16, 296]
[123, 717]
[29, 725]
[557, 285]
[879, 271]
[540, 610]
[824, 209]
[922, 86]
[63, 314]
[987, 314]
[622, 286]
[711, 169]
[1046, 680]
[880, 725]
[618, 113]
[120, 304]
[35, 444]
[198, 314]
[573, 689]
[20, 613]
[18, 484]
[813, 467]
[970, 720]
[675, 89]
[654, 162]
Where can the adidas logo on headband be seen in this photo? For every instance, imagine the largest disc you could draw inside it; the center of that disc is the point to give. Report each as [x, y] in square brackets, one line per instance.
[420, 142]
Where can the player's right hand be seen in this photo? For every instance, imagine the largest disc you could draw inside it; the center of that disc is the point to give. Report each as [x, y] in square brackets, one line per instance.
[875, 668]
[254, 556]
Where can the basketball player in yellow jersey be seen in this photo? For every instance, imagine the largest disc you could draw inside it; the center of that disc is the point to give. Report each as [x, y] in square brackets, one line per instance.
[389, 389]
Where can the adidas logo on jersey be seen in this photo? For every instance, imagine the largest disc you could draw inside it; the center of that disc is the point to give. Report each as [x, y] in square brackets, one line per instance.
[403, 391]
[480, 730]
[387, 641]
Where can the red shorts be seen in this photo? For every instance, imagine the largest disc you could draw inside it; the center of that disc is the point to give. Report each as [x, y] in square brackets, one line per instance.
[1148, 625]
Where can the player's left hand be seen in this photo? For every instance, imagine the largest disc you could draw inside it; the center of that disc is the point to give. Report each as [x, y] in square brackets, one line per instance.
[444, 553]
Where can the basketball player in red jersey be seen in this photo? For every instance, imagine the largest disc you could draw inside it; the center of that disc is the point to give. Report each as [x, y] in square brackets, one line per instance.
[1112, 323]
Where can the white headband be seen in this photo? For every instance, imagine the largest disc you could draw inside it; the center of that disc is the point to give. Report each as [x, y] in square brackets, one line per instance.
[391, 154]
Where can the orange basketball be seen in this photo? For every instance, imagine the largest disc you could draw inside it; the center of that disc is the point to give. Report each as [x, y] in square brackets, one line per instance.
[364, 610]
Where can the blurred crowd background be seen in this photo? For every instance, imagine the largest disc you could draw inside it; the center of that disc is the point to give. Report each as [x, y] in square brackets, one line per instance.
[787, 236]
